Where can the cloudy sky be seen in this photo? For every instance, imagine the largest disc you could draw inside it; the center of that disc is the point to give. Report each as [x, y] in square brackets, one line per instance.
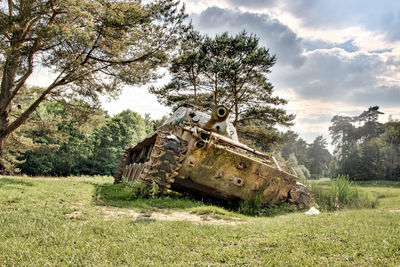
[333, 56]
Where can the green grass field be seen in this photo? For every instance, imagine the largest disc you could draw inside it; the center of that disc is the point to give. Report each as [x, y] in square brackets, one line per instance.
[87, 221]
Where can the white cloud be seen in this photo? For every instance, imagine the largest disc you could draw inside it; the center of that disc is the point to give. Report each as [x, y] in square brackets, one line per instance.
[137, 99]
[274, 35]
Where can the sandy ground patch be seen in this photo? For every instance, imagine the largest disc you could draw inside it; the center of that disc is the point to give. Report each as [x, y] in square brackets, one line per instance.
[110, 213]
[394, 211]
[74, 214]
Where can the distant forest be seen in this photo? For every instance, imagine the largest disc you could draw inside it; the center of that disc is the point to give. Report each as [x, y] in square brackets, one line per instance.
[365, 149]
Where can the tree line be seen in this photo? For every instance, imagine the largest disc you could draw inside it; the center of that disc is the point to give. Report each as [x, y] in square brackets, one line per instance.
[74, 139]
[366, 149]
[310, 160]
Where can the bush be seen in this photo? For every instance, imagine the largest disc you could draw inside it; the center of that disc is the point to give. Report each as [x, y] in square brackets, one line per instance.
[249, 206]
[125, 191]
[342, 193]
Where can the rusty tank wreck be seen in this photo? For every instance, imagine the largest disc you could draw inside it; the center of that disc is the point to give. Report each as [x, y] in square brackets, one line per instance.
[197, 153]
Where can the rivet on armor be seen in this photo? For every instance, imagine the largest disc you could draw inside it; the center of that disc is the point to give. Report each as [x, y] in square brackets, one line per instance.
[219, 175]
[255, 187]
[241, 166]
[238, 181]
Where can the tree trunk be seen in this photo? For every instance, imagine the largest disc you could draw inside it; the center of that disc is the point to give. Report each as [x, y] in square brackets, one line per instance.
[7, 82]
[195, 92]
[5, 109]
[216, 90]
[4, 119]
[236, 112]
[2, 142]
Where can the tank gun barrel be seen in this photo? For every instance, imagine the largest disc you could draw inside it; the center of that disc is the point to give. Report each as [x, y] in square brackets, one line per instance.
[219, 114]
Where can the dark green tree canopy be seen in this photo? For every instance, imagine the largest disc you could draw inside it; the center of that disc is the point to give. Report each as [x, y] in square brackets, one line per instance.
[365, 148]
[318, 157]
[315, 156]
[345, 133]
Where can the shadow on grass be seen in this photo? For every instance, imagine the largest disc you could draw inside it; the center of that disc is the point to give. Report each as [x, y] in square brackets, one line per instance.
[121, 195]
[8, 181]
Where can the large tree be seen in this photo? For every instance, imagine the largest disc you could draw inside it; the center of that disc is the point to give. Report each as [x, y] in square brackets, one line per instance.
[229, 70]
[89, 46]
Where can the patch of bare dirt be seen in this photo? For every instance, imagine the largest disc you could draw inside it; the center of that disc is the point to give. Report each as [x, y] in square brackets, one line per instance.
[394, 211]
[173, 216]
[74, 214]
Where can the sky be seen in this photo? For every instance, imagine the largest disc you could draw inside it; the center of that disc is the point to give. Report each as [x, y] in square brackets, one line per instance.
[334, 57]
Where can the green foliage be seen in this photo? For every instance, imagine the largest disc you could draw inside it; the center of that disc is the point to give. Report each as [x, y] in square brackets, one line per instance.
[137, 190]
[61, 143]
[29, 137]
[110, 141]
[125, 191]
[250, 206]
[341, 194]
[318, 157]
[258, 135]
[292, 144]
[139, 195]
[309, 160]
[154, 190]
[365, 148]
[83, 141]
[301, 170]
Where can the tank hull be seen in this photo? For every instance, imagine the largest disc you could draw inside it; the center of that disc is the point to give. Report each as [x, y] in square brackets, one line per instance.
[187, 158]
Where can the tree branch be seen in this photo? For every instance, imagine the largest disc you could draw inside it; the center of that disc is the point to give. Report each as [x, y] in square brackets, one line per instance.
[141, 58]
[10, 8]
[25, 115]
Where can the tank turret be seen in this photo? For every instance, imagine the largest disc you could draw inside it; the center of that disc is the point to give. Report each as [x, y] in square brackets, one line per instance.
[219, 114]
[216, 122]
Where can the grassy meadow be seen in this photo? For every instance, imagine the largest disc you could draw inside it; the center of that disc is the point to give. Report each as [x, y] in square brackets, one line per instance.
[88, 221]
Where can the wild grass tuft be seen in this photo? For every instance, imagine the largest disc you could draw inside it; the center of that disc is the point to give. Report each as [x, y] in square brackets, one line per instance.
[341, 194]
[252, 207]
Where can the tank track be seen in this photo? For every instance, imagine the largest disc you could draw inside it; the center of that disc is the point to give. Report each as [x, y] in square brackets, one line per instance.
[165, 161]
[162, 164]
[300, 196]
